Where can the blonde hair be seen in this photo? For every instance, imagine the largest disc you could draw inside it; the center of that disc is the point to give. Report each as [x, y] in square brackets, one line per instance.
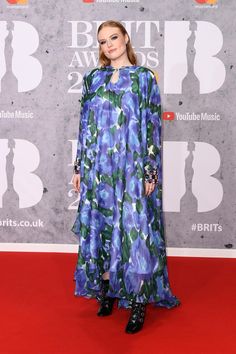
[103, 60]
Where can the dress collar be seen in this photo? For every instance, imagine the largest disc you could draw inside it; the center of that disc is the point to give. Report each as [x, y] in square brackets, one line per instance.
[110, 67]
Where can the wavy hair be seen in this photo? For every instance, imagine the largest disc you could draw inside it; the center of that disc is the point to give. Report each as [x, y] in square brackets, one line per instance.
[103, 60]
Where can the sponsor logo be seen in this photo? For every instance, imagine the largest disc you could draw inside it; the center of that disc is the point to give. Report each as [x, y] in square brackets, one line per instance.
[109, 1]
[168, 116]
[206, 3]
[198, 116]
[17, 2]
[209, 2]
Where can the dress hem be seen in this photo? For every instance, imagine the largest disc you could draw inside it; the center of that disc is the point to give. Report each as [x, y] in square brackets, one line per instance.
[125, 303]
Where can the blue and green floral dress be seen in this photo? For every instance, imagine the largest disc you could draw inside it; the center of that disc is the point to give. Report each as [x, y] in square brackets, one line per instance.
[119, 229]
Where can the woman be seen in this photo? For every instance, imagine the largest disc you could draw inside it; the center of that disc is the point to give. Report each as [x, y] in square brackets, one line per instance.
[118, 174]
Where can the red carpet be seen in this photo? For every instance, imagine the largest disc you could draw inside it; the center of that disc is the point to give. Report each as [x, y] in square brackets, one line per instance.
[41, 315]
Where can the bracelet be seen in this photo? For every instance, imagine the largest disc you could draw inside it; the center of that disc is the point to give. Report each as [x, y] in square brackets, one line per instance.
[150, 175]
[77, 166]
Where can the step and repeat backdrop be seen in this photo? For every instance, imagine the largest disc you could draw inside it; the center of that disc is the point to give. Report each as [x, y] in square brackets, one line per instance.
[45, 49]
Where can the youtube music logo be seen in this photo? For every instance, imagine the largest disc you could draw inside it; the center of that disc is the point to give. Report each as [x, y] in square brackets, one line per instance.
[168, 115]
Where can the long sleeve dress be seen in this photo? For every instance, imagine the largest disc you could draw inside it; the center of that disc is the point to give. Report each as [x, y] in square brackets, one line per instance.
[119, 228]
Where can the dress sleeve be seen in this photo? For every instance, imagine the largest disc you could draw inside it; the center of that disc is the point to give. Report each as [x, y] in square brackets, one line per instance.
[77, 162]
[152, 160]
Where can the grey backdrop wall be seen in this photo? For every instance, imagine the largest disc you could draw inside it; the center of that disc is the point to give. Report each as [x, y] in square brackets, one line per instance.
[45, 48]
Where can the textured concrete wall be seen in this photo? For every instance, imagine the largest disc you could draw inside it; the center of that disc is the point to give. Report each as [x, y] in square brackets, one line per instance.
[44, 53]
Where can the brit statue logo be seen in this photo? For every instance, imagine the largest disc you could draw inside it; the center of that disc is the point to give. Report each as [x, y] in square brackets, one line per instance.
[20, 70]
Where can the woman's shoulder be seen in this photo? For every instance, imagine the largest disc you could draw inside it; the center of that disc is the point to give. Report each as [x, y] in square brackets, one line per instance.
[90, 72]
[150, 72]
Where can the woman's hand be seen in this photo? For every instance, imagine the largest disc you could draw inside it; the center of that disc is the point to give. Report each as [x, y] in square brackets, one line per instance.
[149, 188]
[76, 181]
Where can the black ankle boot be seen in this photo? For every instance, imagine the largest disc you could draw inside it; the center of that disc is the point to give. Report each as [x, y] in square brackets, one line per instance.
[106, 302]
[136, 319]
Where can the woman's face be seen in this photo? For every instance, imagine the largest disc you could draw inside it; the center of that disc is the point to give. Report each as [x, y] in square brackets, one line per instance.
[112, 42]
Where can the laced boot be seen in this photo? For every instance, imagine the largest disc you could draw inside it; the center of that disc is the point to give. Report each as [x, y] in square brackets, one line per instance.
[136, 319]
[106, 302]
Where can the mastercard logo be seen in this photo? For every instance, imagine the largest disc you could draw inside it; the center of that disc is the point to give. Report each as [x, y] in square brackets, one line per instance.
[209, 2]
[17, 2]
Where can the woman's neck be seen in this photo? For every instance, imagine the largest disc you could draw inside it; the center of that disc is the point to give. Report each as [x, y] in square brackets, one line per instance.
[119, 64]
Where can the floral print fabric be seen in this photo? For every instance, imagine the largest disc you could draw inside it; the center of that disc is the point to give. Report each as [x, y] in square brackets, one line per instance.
[119, 229]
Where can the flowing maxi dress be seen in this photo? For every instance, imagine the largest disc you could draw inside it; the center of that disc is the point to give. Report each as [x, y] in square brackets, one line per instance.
[119, 229]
